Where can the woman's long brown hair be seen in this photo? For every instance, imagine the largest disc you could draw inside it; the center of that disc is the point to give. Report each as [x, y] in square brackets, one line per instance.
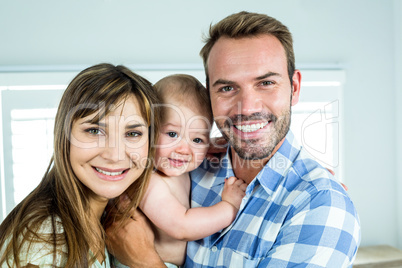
[60, 195]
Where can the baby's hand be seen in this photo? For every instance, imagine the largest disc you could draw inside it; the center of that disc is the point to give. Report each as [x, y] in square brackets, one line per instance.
[234, 191]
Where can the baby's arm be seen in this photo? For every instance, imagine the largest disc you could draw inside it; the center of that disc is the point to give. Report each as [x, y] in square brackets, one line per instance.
[179, 222]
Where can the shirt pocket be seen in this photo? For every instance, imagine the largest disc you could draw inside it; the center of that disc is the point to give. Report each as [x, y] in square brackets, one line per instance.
[238, 259]
[251, 246]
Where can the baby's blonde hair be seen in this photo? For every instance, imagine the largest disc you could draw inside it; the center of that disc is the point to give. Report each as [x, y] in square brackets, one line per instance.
[187, 90]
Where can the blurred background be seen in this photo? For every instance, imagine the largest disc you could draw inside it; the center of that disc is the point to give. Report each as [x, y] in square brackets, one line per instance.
[350, 54]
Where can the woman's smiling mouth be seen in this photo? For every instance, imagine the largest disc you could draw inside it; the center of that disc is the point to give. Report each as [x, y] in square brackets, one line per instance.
[111, 175]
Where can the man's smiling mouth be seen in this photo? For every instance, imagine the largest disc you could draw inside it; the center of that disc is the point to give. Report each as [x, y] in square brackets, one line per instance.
[251, 127]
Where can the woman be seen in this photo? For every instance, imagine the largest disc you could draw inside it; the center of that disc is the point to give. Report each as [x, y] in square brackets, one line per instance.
[104, 127]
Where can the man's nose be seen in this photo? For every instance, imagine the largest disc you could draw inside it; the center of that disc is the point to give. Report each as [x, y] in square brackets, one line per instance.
[249, 102]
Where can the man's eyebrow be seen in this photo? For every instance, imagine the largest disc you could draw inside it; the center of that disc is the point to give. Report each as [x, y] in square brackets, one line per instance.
[269, 74]
[223, 82]
[229, 82]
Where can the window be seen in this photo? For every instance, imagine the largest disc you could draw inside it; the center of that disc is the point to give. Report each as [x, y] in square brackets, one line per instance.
[317, 118]
[31, 147]
[28, 118]
[29, 103]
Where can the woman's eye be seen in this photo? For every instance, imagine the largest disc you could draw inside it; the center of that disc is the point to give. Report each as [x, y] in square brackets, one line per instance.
[198, 140]
[134, 134]
[172, 134]
[93, 131]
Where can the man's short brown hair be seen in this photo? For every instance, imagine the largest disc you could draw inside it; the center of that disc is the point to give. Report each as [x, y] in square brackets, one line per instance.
[246, 24]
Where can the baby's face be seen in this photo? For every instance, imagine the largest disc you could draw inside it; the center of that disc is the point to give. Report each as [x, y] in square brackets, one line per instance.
[183, 140]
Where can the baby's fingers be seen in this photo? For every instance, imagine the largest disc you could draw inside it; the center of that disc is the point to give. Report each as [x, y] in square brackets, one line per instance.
[231, 180]
[243, 187]
[239, 182]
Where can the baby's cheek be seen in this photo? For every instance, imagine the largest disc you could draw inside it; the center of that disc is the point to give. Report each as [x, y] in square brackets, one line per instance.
[201, 155]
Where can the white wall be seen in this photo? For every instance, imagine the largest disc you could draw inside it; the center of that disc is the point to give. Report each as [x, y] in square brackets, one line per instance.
[360, 36]
[398, 100]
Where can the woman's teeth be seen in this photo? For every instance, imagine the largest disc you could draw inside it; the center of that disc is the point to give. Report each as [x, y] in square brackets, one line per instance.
[109, 173]
[251, 128]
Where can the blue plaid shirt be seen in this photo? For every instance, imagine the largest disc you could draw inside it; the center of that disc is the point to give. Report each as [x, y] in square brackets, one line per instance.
[294, 214]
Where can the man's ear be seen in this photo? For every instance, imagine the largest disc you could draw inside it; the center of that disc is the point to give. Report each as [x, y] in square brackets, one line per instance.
[296, 83]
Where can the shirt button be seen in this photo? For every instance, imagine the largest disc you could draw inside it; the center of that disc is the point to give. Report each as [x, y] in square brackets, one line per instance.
[214, 249]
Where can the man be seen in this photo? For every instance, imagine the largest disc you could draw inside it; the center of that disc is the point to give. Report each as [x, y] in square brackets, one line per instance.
[294, 212]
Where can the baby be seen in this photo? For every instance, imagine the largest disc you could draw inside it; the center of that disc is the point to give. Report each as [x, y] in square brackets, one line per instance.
[181, 147]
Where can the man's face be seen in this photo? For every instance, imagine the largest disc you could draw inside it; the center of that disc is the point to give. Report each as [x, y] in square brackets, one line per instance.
[251, 94]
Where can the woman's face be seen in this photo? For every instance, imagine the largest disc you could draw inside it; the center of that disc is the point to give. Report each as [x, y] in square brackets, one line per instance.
[109, 155]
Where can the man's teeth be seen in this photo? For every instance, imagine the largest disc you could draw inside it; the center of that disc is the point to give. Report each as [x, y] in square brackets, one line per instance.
[109, 173]
[251, 128]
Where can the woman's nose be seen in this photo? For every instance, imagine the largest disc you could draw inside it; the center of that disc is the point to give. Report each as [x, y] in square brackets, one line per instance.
[114, 150]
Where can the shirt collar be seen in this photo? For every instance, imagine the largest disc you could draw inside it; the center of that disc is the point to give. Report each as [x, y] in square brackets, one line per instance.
[272, 173]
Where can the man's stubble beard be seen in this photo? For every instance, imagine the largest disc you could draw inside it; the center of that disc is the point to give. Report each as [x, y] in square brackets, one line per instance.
[254, 149]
